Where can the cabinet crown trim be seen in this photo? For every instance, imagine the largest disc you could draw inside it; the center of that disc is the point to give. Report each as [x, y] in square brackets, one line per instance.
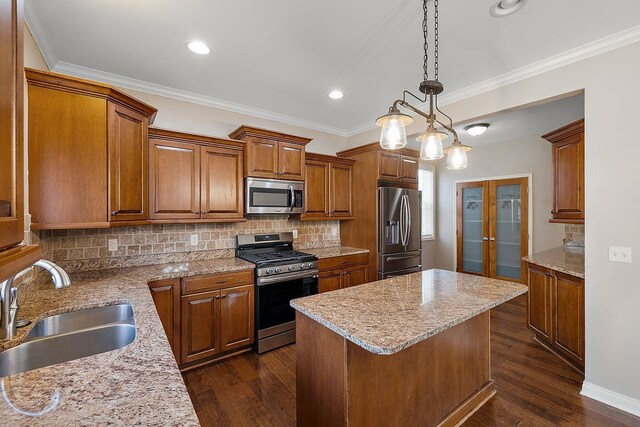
[247, 131]
[57, 81]
[316, 157]
[571, 129]
[171, 135]
[375, 146]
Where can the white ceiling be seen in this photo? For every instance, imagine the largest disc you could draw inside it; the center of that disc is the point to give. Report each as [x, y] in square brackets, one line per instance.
[282, 57]
[521, 123]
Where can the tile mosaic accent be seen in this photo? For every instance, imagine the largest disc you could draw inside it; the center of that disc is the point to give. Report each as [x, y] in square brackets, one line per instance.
[573, 235]
[87, 249]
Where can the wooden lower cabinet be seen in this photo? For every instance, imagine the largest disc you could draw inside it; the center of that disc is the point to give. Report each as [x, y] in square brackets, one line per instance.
[342, 272]
[555, 312]
[206, 316]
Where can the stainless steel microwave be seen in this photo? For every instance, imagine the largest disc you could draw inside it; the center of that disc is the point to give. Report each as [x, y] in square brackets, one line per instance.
[263, 196]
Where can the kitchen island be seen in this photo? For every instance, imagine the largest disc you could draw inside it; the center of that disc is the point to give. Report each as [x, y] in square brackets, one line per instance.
[411, 350]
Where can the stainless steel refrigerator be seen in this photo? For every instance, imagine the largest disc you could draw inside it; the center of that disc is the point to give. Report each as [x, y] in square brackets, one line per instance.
[399, 234]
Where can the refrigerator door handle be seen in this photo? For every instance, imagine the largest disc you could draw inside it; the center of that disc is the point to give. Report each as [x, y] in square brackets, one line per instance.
[408, 219]
[403, 220]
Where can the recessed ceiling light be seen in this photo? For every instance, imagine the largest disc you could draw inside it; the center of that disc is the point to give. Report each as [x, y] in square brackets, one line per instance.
[198, 47]
[335, 94]
[506, 7]
[477, 129]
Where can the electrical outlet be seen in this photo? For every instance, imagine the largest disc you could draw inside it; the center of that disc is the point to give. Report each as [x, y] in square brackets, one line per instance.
[334, 231]
[194, 240]
[113, 245]
[620, 254]
[295, 234]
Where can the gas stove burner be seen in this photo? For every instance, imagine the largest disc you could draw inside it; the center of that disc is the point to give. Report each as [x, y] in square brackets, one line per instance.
[273, 254]
[277, 257]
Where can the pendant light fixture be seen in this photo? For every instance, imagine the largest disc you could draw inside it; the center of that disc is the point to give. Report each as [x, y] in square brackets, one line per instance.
[394, 135]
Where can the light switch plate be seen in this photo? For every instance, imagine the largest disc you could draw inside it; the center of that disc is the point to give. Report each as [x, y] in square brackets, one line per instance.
[194, 240]
[113, 245]
[295, 234]
[620, 254]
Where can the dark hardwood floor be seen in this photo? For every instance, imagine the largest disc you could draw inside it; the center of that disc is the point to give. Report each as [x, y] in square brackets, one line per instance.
[534, 388]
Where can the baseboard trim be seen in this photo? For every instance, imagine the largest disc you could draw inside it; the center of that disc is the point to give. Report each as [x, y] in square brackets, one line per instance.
[611, 398]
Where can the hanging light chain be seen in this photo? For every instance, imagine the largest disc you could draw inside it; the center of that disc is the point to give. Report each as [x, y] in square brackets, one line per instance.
[436, 39]
[425, 31]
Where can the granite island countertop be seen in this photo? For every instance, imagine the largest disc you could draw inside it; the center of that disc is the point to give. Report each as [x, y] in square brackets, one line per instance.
[566, 259]
[387, 316]
[139, 384]
[335, 251]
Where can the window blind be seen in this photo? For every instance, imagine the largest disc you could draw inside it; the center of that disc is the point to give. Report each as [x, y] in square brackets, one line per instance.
[426, 185]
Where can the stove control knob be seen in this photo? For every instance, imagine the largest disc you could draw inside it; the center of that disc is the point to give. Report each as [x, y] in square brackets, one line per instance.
[290, 268]
[269, 271]
[277, 270]
[303, 266]
[309, 265]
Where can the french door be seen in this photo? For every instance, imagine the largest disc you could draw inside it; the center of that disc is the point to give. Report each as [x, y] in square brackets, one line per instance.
[492, 228]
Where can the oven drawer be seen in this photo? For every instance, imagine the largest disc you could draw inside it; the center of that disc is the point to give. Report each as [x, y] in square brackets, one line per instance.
[211, 282]
[342, 261]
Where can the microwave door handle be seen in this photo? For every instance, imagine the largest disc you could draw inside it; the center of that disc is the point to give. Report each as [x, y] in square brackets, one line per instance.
[293, 198]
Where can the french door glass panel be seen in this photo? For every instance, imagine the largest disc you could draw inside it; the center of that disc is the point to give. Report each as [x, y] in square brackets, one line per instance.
[508, 230]
[472, 229]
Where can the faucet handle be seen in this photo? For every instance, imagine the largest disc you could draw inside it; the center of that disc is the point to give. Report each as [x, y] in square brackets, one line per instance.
[14, 299]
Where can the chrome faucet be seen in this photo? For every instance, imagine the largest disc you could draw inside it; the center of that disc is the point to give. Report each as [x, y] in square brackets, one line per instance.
[9, 296]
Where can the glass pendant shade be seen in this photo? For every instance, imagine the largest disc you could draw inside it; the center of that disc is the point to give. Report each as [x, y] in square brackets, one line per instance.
[431, 144]
[457, 156]
[394, 134]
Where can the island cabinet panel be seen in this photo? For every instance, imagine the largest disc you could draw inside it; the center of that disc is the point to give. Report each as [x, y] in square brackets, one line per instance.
[568, 173]
[342, 272]
[291, 161]
[195, 178]
[127, 140]
[87, 153]
[272, 154]
[328, 188]
[556, 313]
[221, 183]
[200, 326]
[262, 158]
[339, 383]
[236, 326]
[166, 297]
[174, 187]
[11, 123]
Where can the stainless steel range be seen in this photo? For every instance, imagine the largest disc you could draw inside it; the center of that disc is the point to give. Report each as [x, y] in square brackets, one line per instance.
[282, 274]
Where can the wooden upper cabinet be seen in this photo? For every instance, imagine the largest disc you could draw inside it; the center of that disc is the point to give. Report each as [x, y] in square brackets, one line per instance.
[174, 186]
[316, 194]
[128, 171]
[290, 161]
[568, 173]
[328, 187]
[389, 166]
[340, 189]
[409, 168]
[221, 186]
[262, 158]
[272, 154]
[11, 124]
[87, 153]
[195, 178]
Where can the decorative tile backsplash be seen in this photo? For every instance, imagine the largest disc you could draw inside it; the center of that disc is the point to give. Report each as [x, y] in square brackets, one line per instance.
[573, 235]
[88, 249]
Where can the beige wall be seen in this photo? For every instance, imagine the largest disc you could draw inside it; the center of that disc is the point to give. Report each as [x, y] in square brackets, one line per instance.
[611, 85]
[524, 156]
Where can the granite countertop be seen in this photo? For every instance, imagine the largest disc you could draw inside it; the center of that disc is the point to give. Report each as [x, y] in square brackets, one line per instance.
[387, 316]
[566, 259]
[137, 385]
[336, 251]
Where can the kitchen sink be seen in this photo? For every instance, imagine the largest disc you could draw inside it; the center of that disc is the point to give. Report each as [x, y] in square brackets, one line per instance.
[70, 336]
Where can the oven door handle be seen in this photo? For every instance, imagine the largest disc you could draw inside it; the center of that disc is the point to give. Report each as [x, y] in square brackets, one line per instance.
[285, 277]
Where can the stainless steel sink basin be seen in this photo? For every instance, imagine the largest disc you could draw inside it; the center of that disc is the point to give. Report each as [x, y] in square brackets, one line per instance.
[70, 336]
[79, 320]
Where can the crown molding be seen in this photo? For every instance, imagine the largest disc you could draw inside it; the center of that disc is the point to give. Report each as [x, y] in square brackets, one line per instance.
[35, 27]
[597, 47]
[182, 95]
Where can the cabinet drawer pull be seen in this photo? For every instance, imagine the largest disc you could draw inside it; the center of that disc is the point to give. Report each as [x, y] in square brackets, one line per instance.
[218, 297]
[223, 296]
[221, 282]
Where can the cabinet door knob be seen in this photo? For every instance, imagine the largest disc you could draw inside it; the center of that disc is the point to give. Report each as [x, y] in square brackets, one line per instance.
[114, 213]
[223, 296]
[553, 212]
